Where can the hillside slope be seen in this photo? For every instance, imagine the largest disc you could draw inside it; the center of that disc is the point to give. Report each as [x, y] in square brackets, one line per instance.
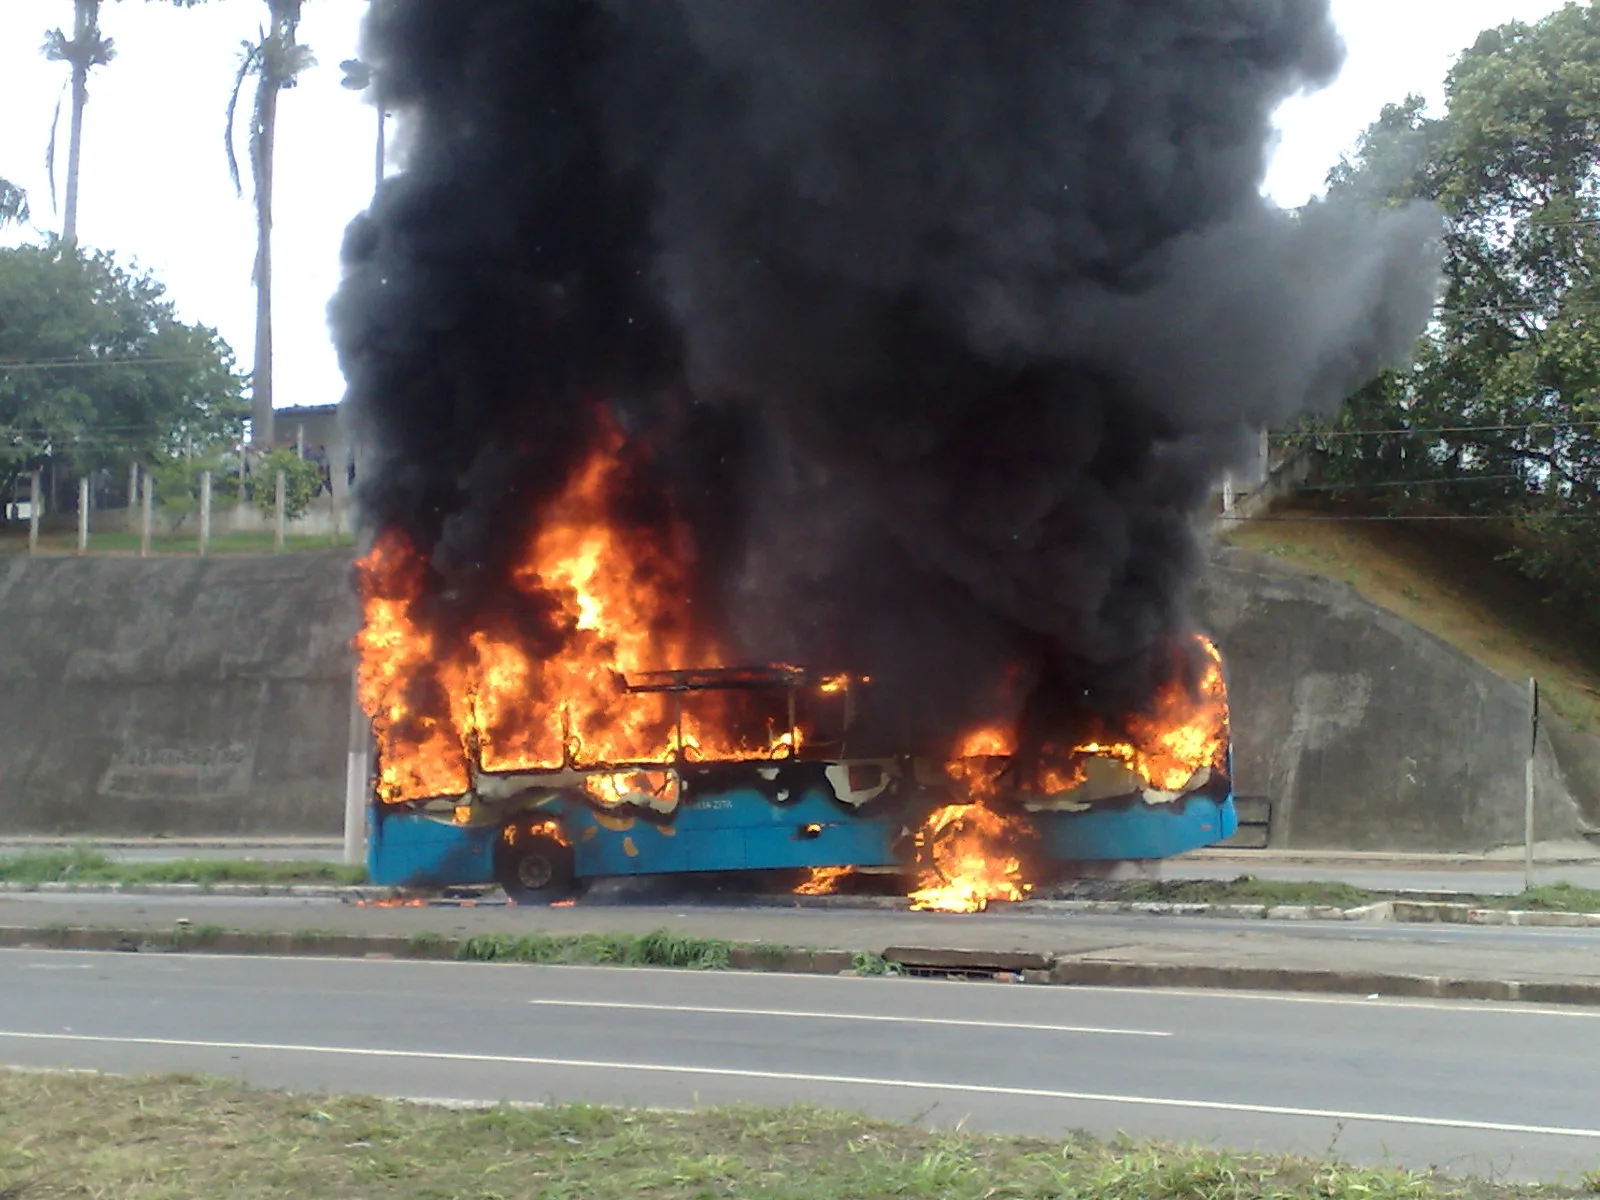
[1447, 580]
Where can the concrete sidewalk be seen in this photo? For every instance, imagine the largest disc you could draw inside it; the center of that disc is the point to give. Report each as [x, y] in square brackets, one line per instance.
[1558, 965]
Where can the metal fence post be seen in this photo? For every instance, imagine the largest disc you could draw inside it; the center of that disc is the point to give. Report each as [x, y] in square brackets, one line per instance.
[33, 512]
[205, 512]
[146, 515]
[1527, 811]
[83, 515]
[277, 523]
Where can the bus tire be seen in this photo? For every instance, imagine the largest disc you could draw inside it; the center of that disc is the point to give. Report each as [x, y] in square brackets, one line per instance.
[536, 867]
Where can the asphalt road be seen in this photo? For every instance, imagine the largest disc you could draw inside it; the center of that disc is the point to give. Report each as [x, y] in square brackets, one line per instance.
[1471, 1088]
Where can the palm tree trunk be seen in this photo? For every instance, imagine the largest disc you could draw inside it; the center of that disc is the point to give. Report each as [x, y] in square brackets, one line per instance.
[261, 417]
[86, 18]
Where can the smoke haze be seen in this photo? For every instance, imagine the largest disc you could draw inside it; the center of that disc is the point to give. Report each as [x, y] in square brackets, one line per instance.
[939, 318]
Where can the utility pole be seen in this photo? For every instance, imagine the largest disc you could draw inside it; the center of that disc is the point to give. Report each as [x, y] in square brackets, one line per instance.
[359, 77]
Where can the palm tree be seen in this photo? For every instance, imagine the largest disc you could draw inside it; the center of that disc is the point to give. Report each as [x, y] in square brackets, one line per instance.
[276, 59]
[13, 203]
[83, 51]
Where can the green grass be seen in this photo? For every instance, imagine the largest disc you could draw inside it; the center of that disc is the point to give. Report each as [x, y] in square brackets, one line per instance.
[179, 1138]
[1553, 897]
[1558, 897]
[661, 948]
[867, 963]
[90, 866]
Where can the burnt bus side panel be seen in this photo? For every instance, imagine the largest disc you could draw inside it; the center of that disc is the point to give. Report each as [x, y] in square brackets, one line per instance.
[736, 830]
[406, 848]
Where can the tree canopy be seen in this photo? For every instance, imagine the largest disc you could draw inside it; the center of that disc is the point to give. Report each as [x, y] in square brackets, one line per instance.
[1500, 416]
[13, 202]
[96, 368]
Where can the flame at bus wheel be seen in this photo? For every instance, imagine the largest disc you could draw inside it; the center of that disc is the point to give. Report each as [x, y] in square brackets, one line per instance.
[968, 856]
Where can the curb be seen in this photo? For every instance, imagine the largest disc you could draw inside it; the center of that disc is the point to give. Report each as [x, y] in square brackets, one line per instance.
[1399, 910]
[1003, 966]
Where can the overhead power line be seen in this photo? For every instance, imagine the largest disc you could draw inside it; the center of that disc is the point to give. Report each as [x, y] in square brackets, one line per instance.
[1438, 481]
[61, 364]
[1332, 519]
[1527, 426]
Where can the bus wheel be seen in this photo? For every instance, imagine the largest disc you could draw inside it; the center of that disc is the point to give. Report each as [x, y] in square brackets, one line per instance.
[534, 867]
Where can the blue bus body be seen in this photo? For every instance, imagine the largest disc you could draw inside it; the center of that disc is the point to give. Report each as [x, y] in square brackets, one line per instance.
[764, 816]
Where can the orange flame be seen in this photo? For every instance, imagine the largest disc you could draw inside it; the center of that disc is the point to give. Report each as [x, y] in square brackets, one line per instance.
[1182, 731]
[824, 881]
[611, 606]
[963, 850]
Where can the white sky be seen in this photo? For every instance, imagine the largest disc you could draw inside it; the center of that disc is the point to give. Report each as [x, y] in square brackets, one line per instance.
[155, 185]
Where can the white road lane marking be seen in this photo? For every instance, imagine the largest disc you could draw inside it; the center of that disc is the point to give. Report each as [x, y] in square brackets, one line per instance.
[917, 1085]
[1499, 1008]
[800, 1014]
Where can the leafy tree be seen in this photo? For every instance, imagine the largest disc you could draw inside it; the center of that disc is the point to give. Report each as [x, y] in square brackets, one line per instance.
[177, 482]
[302, 480]
[1501, 414]
[96, 370]
[13, 203]
[276, 60]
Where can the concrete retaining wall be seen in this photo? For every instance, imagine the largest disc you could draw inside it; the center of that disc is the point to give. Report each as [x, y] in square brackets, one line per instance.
[205, 697]
[1367, 733]
[174, 696]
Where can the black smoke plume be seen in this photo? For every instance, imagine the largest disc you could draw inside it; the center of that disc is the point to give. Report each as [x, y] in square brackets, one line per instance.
[940, 317]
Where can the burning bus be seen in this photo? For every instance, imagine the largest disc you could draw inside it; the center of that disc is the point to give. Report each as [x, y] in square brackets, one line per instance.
[893, 348]
[568, 741]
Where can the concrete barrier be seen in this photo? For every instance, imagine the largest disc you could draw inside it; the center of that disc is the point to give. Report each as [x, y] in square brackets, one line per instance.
[1368, 733]
[189, 697]
[174, 696]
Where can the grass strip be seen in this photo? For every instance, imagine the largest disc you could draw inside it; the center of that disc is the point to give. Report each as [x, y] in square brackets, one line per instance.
[661, 948]
[182, 1138]
[1557, 897]
[82, 865]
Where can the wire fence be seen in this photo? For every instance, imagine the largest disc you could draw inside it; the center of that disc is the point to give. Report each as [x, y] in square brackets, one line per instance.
[201, 519]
